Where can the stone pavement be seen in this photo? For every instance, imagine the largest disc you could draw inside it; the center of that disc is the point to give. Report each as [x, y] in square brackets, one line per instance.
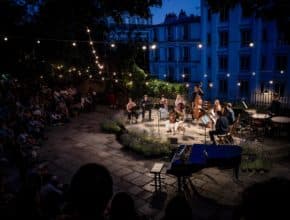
[81, 141]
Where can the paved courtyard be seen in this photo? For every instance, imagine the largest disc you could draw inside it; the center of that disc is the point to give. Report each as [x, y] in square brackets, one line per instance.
[81, 141]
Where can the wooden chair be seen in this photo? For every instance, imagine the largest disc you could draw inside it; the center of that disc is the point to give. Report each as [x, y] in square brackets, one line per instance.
[228, 138]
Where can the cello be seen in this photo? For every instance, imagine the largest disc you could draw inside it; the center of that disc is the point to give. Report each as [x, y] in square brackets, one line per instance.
[197, 106]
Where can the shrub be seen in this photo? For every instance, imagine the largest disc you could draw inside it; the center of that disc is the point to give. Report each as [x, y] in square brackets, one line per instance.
[111, 127]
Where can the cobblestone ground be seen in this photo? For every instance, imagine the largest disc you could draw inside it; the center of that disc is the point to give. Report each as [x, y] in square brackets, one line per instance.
[81, 141]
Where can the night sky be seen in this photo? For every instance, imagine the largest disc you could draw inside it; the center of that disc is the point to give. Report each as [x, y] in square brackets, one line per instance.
[168, 6]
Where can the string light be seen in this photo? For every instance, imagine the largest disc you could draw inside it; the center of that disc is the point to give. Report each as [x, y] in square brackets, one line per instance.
[5, 38]
[74, 44]
[187, 85]
[228, 75]
[144, 47]
[90, 76]
[38, 41]
[271, 82]
[282, 71]
[147, 83]
[199, 45]
[210, 84]
[103, 78]
[153, 46]
[253, 73]
[251, 44]
[205, 75]
[113, 45]
[238, 84]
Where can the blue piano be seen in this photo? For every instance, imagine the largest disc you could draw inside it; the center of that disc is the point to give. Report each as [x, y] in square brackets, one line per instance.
[192, 158]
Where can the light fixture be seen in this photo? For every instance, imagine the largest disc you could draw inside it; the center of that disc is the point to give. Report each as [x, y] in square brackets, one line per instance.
[74, 44]
[88, 30]
[228, 75]
[199, 45]
[282, 71]
[251, 44]
[94, 51]
[116, 81]
[183, 75]
[103, 78]
[60, 76]
[238, 84]
[147, 83]
[41, 76]
[114, 73]
[205, 75]
[210, 84]
[144, 47]
[5, 38]
[253, 73]
[153, 46]
[113, 45]
[271, 82]
[90, 76]
[91, 43]
[187, 85]
[38, 41]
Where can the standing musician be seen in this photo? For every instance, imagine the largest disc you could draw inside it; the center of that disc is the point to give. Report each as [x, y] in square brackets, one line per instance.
[180, 106]
[163, 110]
[131, 110]
[146, 106]
[197, 102]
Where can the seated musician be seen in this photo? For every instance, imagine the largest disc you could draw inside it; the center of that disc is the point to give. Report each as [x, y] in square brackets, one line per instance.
[213, 112]
[131, 110]
[171, 124]
[197, 91]
[229, 113]
[274, 108]
[163, 110]
[221, 126]
[146, 106]
[180, 106]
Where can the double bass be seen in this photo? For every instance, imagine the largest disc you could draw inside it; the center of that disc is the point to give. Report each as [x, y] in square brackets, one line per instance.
[197, 106]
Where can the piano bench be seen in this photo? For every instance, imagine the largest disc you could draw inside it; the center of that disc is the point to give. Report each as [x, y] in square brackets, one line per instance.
[156, 170]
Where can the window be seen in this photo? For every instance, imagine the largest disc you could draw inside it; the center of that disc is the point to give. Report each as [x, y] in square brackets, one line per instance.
[209, 15]
[156, 54]
[223, 63]
[281, 62]
[263, 62]
[264, 35]
[185, 32]
[170, 33]
[282, 40]
[208, 63]
[224, 14]
[208, 41]
[170, 54]
[245, 37]
[244, 88]
[244, 63]
[246, 13]
[223, 86]
[171, 74]
[186, 73]
[155, 33]
[224, 39]
[186, 54]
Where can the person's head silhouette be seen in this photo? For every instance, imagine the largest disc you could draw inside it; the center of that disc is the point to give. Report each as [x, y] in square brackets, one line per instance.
[90, 190]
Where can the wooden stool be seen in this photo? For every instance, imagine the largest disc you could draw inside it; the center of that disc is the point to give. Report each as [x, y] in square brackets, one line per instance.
[156, 170]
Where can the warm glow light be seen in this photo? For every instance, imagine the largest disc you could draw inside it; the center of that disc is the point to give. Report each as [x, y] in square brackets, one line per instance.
[41, 76]
[210, 85]
[60, 76]
[251, 44]
[87, 71]
[90, 76]
[113, 45]
[91, 43]
[144, 47]
[5, 38]
[271, 82]
[183, 75]
[100, 72]
[187, 85]
[153, 46]
[200, 45]
[79, 73]
[130, 74]
[94, 51]
[103, 78]
[74, 44]
[38, 41]
[88, 30]
[147, 83]
[116, 80]
[114, 73]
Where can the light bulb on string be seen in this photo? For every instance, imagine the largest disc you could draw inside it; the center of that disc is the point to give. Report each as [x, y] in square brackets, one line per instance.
[38, 41]
[5, 38]
[91, 43]
[74, 44]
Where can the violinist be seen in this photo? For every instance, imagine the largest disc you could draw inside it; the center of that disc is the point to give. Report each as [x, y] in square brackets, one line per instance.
[131, 110]
[180, 106]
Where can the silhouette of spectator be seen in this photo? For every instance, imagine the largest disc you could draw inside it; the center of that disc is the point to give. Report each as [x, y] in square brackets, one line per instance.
[90, 191]
[275, 106]
[266, 200]
[123, 207]
[178, 208]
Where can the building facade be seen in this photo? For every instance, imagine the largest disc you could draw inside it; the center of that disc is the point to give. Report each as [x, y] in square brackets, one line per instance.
[234, 55]
[174, 54]
[242, 55]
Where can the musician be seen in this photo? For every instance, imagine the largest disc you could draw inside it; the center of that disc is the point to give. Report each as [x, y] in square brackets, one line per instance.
[229, 113]
[213, 112]
[180, 106]
[274, 108]
[221, 126]
[196, 91]
[171, 124]
[163, 110]
[131, 110]
[146, 106]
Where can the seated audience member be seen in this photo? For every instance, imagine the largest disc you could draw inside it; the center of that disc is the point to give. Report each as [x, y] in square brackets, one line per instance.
[180, 106]
[146, 106]
[221, 127]
[123, 207]
[178, 208]
[266, 200]
[274, 108]
[163, 110]
[131, 110]
[90, 190]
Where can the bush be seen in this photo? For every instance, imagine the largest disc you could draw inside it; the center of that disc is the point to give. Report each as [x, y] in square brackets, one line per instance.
[111, 127]
[145, 145]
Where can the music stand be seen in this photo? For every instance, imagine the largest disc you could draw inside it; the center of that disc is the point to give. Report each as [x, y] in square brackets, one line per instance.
[245, 105]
